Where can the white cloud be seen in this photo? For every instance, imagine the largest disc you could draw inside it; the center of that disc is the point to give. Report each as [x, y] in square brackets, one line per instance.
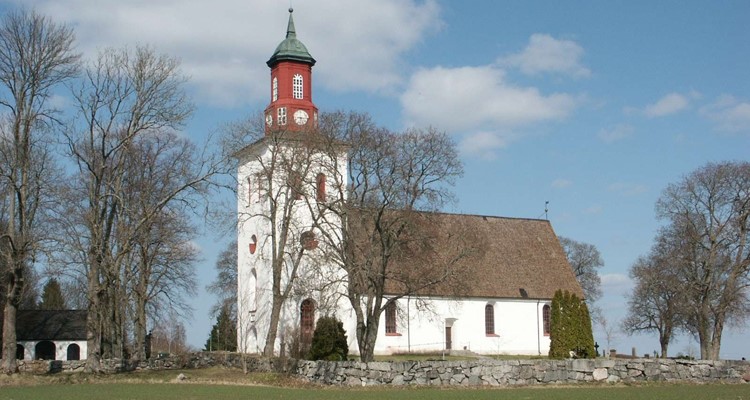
[467, 98]
[627, 189]
[561, 183]
[615, 280]
[224, 45]
[619, 132]
[669, 104]
[483, 144]
[478, 99]
[547, 54]
[729, 113]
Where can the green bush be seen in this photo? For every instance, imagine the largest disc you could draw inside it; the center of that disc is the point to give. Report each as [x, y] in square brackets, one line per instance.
[329, 340]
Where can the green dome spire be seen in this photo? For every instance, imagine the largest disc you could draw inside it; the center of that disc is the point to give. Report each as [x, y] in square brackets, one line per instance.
[291, 49]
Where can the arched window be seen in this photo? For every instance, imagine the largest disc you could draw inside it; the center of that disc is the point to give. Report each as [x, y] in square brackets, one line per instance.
[249, 190]
[320, 183]
[45, 350]
[307, 320]
[74, 352]
[390, 319]
[253, 244]
[275, 89]
[20, 352]
[489, 319]
[546, 318]
[297, 86]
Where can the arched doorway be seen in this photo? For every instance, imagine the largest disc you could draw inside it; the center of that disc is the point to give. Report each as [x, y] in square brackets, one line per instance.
[45, 350]
[20, 352]
[74, 352]
[307, 320]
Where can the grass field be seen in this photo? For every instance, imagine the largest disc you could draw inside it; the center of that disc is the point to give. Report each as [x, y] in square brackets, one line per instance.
[221, 384]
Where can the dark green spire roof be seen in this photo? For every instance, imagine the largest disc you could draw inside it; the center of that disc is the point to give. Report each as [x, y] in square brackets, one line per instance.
[291, 49]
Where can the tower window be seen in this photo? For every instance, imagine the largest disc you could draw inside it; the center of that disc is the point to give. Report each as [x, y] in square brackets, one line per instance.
[320, 191]
[297, 86]
[275, 89]
[390, 319]
[281, 116]
[489, 320]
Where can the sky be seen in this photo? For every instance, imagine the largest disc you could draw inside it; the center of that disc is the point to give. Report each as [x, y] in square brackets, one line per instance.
[592, 106]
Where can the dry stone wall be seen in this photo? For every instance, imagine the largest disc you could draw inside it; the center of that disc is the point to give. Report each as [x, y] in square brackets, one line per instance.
[521, 372]
[459, 373]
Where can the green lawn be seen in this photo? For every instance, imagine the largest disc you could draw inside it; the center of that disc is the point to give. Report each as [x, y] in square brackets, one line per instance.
[115, 391]
[217, 383]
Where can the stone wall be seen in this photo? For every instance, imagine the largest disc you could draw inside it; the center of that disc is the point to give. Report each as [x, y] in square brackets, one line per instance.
[460, 373]
[521, 372]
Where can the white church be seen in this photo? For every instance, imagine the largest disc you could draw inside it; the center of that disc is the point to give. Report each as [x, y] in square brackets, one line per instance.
[504, 309]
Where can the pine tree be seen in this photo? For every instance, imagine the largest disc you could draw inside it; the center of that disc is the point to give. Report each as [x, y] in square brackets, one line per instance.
[570, 327]
[52, 297]
[329, 340]
[223, 335]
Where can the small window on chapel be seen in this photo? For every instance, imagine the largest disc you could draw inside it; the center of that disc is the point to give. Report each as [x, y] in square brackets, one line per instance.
[390, 319]
[297, 86]
[489, 320]
[546, 319]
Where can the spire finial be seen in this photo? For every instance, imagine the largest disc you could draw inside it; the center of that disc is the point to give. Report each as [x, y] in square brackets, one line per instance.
[290, 32]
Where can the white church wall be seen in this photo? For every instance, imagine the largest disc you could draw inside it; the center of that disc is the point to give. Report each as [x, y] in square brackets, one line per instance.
[518, 327]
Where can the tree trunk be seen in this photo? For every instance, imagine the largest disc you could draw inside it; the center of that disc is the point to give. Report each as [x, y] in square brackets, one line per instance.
[10, 366]
[273, 327]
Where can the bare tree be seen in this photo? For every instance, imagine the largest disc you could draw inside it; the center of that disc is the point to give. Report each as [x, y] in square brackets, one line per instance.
[380, 215]
[585, 260]
[656, 301]
[129, 104]
[36, 55]
[224, 286]
[708, 215]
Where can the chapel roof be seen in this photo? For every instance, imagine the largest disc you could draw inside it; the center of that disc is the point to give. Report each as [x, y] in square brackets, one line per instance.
[291, 48]
[51, 325]
[506, 258]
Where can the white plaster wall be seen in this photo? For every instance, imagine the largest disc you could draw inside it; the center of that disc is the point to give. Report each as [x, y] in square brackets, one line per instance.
[61, 349]
[254, 270]
[518, 327]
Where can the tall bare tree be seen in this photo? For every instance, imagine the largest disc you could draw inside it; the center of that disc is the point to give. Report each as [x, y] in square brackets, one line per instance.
[708, 215]
[657, 299]
[36, 55]
[380, 215]
[130, 104]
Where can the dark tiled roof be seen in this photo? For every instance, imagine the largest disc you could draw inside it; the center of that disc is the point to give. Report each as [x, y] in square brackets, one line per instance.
[51, 325]
[512, 258]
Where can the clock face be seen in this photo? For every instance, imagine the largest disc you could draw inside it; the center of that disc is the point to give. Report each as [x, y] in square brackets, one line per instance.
[269, 119]
[300, 117]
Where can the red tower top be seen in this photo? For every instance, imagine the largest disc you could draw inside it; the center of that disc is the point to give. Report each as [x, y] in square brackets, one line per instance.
[291, 106]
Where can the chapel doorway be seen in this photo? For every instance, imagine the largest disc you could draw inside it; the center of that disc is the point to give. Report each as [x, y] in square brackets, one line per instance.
[44, 350]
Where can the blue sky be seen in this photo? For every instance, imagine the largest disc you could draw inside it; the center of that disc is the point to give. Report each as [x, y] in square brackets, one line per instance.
[593, 106]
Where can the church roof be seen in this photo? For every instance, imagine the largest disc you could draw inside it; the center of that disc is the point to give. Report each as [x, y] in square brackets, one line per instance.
[502, 258]
[291, 49]
[51, 325]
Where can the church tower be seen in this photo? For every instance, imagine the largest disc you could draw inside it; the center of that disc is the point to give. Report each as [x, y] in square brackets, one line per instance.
[291, 106]
[289, 181]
